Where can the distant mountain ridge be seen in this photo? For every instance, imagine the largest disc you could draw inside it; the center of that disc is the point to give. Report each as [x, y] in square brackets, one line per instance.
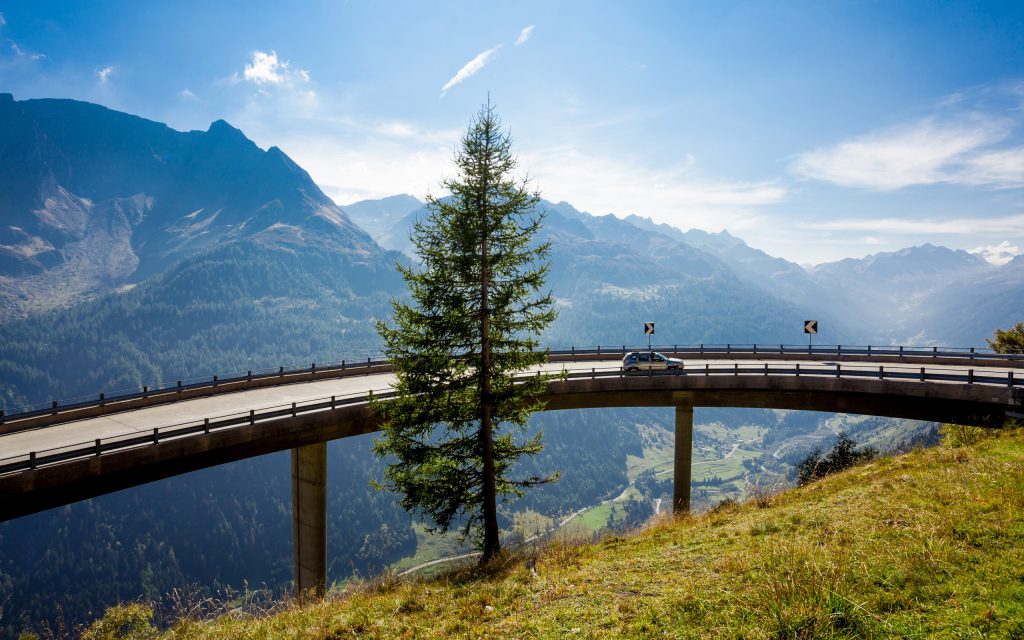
[91, 198]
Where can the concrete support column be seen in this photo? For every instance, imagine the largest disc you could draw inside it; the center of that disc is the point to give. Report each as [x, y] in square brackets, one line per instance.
[683, 458]
[309, 519]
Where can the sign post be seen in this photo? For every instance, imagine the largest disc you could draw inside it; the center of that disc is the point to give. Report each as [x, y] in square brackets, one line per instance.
[810, 328]
[649, 330]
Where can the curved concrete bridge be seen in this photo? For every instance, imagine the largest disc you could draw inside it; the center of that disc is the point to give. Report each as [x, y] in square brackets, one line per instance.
[68, 453]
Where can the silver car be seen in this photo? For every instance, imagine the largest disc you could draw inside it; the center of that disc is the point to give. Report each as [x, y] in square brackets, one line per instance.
[646, 360]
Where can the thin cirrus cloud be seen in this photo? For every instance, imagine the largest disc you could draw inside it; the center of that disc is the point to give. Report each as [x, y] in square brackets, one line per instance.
[470, 68]
[974, 149]
[524, 35]
[104, 74]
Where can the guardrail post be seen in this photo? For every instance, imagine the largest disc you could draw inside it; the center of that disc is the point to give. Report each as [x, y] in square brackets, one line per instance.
[280, 372]
[922, 374]
[838, 370]
[252, 416]
[215, 381]
[766, 368]
[156, 435]
[682, 459]
[972, 353]
[98, 449]
[179, 386]
[755, 348]
[312, 367]
[1009, 378]
[593, 372]
[869, 349]
[881, 372]
[707, 369]
[206, 425]
[342, 365]
[781, 350]
[573, 349]
[54, 407]
[248, 375]
[970, 376]
[309, 519]
[2, 416]
[293, 409]
[31, 459]
[598, 349]
[798, 369]
[728, 348]
[333, 406]
[935, 352]
[702, 348]
[839, 349]
[736, 369]
[901, 350]
[145, 391]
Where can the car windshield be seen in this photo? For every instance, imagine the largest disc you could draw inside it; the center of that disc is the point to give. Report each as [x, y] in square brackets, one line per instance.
[658, 356]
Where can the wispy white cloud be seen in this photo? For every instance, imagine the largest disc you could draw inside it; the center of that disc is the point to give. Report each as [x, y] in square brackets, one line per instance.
[276, 79]
[104, 74]
[916, 226]
[21, 53]
[187, 94]
[469, 69]
[265, 68]
[998, 253]
[3, 21]
[972, 138]
[930, 151]
[674, 194]
[524, 35]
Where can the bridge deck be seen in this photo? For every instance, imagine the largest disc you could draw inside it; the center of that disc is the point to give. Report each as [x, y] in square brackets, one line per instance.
[64, 460]
[142, 421]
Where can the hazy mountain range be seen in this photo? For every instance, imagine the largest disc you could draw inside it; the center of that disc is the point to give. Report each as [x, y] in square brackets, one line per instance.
[914, 296]
[131, 253]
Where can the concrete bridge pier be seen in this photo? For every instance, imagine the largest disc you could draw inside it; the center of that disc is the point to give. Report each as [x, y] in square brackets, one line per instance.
[309, 519]
[682, 459]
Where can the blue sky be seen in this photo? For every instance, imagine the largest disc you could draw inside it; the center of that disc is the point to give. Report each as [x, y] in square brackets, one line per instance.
[814, 131]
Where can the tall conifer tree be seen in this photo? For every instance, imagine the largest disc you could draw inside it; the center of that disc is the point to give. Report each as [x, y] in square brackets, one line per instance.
[476, 310]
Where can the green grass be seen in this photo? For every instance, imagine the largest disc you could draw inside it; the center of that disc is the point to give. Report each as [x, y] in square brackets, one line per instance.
[928, 544]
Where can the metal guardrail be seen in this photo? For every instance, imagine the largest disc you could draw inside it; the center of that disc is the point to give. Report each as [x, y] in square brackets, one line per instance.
[100, 446]
[702, 350]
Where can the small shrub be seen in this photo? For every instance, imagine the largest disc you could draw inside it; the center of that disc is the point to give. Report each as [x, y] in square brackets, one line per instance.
[131, 621]
[843, 455]
[962, 435]
[726, 504]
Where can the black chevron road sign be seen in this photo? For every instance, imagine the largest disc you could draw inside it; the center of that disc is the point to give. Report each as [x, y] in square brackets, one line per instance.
[810, 326]
[649, 328]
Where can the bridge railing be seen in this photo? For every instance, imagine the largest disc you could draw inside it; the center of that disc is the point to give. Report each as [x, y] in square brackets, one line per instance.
[252, 418]
[357, 367]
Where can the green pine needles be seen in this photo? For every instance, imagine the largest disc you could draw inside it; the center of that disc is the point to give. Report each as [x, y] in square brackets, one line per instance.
[461, 345]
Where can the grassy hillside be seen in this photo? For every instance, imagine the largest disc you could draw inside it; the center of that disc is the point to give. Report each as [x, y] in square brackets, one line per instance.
[930, 543]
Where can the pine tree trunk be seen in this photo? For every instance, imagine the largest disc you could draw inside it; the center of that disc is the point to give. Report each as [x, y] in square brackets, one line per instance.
[492, 543]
